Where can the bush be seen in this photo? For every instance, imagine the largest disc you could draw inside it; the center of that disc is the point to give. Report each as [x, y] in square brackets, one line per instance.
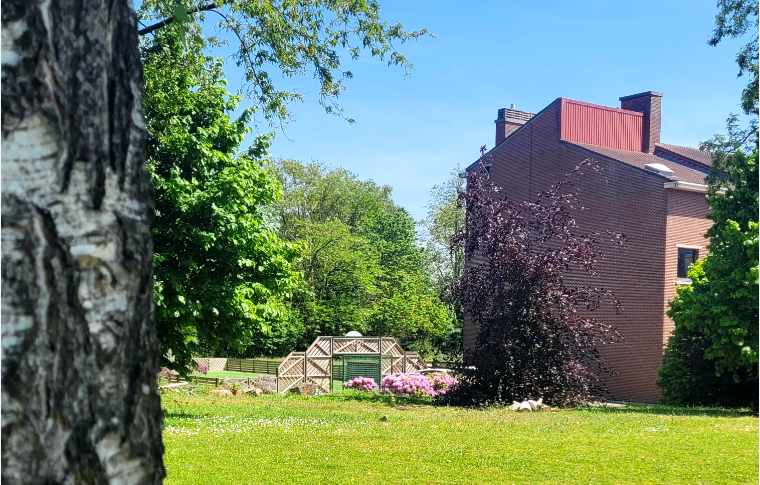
[441, 382]
[407, 385]
[361, 384]
[163, 377]
[688, 379]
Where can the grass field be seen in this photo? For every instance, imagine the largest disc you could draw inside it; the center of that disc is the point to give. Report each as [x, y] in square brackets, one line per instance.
[341, 439]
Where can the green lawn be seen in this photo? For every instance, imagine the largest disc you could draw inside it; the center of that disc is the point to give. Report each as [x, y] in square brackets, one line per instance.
[340, 439]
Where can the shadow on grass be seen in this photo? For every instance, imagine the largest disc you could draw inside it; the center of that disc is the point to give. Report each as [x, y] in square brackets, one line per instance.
[387, 399]
[169, 415]
[178, 411]
[176, 408]
[670, 411]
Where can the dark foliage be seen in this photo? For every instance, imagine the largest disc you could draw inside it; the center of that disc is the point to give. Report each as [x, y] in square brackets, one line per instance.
[536, 337]
[282, 337]
[688, 379]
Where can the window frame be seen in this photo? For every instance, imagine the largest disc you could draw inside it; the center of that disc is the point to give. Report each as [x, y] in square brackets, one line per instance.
[681, 249]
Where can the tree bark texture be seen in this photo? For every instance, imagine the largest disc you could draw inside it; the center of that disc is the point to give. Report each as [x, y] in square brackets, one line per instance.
[79, 351]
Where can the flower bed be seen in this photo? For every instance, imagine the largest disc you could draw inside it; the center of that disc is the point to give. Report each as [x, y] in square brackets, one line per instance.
[417, 384]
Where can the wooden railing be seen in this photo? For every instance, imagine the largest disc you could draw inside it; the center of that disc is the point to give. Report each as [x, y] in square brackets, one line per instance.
[256, 366]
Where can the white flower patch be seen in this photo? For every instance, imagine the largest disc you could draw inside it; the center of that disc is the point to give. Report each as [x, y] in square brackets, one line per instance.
[231, 424]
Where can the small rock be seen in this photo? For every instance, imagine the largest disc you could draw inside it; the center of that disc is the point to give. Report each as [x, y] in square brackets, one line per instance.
[306, 389]
[524, 407]
[222, 392]
[267, 385]
[239, 392]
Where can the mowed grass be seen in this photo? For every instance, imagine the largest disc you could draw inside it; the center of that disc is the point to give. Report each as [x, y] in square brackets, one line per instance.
[341, 439]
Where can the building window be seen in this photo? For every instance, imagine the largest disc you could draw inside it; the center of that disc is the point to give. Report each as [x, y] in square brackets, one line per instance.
[686, 257]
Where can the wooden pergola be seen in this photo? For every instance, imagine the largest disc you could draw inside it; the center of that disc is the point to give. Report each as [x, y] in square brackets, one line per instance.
[315, 365]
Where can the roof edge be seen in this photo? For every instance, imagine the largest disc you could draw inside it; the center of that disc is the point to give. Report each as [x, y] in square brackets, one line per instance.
[473, 164]
[616, 162]
[638, 95]
[606, 108]
[690, 187]
[674, 154]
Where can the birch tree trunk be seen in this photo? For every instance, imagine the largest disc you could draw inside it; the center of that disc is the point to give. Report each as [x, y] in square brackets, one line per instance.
[79, 352]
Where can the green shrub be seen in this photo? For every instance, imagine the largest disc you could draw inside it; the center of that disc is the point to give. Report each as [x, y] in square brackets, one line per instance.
[687, 378]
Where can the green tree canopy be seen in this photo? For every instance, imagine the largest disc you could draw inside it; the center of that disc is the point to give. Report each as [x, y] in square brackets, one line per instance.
[444, 260]
[414, 315]
[221, 272]
[716, 316]
[722, 301]
[363, 269]
[736, 19]
[445, 219]
[284, 38]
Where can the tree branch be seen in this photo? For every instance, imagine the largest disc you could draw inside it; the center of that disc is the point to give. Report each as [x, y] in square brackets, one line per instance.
[168, 20]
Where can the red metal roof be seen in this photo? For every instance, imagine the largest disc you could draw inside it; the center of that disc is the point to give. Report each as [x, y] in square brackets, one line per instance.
[600, 125]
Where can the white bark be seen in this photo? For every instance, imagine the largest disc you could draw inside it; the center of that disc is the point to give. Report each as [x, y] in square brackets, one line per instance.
[79, 352]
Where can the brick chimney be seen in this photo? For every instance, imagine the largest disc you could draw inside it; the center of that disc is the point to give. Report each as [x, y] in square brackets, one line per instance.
[649, 103]
[508, 120]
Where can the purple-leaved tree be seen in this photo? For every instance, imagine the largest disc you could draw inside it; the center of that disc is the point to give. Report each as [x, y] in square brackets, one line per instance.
[536, 337]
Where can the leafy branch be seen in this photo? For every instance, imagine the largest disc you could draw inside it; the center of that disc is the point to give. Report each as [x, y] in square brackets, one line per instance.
[291, 38]
[181, 14]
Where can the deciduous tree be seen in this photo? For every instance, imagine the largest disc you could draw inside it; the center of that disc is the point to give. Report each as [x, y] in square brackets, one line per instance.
[363, 269]
[716, 316]
[721, 304]
[735, 19]
[79, 349]
[444, 260]
[285, 38]
[222, 272]
[535, 337]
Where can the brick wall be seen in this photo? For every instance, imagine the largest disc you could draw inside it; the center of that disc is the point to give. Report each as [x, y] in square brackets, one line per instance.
[623, 200]
[512, 170]
[686, 226]
[649, 103]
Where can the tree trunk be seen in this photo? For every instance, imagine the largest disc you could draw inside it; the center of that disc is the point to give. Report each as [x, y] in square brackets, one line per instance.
[79, 352]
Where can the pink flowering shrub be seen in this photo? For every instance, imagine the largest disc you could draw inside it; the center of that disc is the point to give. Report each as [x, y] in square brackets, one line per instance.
[361, 384]
[202, 369]
[165, 374]
[417, 384]
[441, 382]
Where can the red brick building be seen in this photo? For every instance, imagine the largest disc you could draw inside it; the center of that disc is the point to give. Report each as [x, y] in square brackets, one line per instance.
[651, 192]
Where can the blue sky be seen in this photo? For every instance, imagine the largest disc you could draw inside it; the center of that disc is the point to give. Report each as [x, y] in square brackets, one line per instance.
[411, 132]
